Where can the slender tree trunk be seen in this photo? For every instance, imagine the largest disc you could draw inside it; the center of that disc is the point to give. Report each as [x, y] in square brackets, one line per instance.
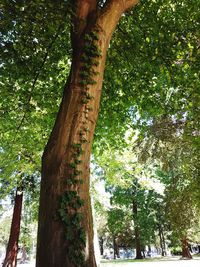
[162, 241]
[24, 255]
[65, 230]
[137, 231]
[164, 252]
[101, 241]
[143, 253]
[138, 244]
[149, 251]
[185, 249]
[12, 247]
[115, 248]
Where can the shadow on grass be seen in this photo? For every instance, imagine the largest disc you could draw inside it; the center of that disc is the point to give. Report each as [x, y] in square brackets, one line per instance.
[155, 259]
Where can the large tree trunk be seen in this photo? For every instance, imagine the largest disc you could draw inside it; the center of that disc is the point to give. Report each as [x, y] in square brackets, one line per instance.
[12, 247]
[185, 249]
[65, 232]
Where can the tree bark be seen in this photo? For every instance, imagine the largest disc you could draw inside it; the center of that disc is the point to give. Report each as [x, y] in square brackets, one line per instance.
[162, 241]
[185, 249]
[149, 251]
[101, 242]
[137, 231]
[12, 247]
[164, 252]
[138, 244]
[115, 248]
[72, 135]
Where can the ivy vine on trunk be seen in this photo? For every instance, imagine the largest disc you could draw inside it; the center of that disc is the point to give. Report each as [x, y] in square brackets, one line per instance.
[65, 234]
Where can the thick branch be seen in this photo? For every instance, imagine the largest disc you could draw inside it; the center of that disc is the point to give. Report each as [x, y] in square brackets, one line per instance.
[111, 14]
[128, 3]
[84, 10]
[85, 7]
[124, 4]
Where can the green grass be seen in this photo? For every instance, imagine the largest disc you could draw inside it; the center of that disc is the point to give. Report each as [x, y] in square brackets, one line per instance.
[131, 260]
[169, 258]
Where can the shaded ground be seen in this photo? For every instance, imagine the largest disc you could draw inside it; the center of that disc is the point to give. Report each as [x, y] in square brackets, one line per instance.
[26, 264]
[164, 262]
[155, 262]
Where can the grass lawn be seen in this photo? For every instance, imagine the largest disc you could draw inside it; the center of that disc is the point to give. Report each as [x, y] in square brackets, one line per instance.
[153, 262]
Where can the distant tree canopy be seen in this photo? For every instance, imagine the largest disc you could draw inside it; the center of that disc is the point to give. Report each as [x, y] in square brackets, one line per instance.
[152, 70]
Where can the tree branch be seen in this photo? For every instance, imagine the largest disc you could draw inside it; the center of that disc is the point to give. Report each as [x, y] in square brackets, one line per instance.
[129, 4]
[111, 13]
[38, 72]
[85, 7]
[124, 4]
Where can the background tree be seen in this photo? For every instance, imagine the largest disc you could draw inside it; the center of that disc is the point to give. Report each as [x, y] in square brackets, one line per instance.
[12, 247]
[25, 183]
[120, 229]
[4, 230]
[182, 213]
[167, 142]
[138, 191]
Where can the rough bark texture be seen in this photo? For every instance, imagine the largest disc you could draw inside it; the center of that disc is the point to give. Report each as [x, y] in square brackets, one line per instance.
[53, 247]
[185, 249]
[12, 248]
